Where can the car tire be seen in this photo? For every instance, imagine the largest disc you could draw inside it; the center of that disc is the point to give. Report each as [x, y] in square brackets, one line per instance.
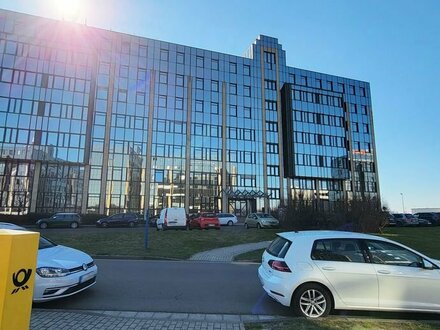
[74, 225]
[246, 226]
[230, 223]
[43, 225]
[258, 225]
[131, 224]
[312, 301]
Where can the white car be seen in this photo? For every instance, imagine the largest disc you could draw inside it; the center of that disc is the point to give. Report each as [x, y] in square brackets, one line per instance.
[61, 271]
[317, 271]
[227, 219]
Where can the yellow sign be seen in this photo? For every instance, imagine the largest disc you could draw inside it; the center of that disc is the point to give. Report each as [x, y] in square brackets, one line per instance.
[18, 261]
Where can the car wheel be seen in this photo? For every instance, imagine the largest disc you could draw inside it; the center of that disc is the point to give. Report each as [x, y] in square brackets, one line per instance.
[43, 225]
[104, 224]
[230, 223]
[258, 226]
[74, 225]
[246, 226]
[312, 300]
[131, 224]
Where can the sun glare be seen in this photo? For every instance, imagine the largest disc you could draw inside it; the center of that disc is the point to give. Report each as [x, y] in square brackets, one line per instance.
[69, 10]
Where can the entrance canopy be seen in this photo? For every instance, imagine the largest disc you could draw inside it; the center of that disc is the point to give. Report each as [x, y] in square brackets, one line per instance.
[244, 194]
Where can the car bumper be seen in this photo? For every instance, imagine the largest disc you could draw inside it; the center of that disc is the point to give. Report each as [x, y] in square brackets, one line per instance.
[274, 287]
[269, 225]
[209, 226]
[47, 289]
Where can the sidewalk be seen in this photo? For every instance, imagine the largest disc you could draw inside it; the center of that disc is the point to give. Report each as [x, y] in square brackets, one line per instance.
[227, 254]
[103, 320]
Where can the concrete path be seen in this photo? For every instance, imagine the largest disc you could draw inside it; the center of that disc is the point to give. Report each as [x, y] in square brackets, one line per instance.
[227, 254]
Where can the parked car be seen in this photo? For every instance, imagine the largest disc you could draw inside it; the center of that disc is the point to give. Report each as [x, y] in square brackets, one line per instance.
[204, 221]
[227, 219]
[61, 271]
[391, 221]
[152, 220]
[423, 222]
[72, 220]
[172, 218]
[405, 219]
[317, 271]
[430, 216]
[261, 220]
[119, 220]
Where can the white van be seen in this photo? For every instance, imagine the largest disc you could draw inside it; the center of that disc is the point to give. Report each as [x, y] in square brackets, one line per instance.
[172, 218]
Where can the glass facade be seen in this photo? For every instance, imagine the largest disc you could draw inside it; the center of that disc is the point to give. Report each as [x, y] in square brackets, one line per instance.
[95, 121]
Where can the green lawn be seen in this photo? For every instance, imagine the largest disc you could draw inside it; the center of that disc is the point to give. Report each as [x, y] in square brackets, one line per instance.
[182, 244]
[342, 323]
[171, 244]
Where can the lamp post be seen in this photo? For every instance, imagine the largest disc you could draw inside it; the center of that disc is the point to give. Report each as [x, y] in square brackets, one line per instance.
[403, 203]
[146, 206]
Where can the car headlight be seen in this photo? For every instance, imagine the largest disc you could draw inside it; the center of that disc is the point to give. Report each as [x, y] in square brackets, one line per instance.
[52, 272]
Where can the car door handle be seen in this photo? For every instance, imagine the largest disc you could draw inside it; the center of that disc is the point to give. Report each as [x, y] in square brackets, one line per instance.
[381, 271]
[328, 268]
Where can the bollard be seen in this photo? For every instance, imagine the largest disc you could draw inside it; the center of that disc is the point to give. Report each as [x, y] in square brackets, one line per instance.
[18, 261]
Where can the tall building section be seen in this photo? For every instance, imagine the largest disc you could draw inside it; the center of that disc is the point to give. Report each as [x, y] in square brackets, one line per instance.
[95, 121]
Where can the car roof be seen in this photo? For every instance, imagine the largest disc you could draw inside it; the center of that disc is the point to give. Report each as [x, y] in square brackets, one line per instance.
[7, 225]
[316, 234]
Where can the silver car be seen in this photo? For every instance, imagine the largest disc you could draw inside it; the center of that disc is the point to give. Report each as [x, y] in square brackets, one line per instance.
[261, 220]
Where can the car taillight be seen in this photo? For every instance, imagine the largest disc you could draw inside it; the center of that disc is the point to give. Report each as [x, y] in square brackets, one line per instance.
[280, 266]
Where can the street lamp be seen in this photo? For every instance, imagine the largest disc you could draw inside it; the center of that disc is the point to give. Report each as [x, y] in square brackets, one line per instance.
[403, 203]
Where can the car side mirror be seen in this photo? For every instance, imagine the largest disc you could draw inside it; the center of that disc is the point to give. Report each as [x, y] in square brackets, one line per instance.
[428, 265]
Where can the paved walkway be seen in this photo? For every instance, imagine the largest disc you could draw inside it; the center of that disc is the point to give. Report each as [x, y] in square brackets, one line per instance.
[227, 254]
[107, 320]
[48, 319]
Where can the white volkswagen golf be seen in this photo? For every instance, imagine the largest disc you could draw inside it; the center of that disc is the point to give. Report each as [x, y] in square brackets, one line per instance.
[61, 271]
[317, 271]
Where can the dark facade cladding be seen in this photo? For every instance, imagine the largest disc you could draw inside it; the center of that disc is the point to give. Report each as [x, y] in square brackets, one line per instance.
[95, 121]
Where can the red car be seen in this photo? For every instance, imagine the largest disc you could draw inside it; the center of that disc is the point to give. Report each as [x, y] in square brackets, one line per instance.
[204, 221]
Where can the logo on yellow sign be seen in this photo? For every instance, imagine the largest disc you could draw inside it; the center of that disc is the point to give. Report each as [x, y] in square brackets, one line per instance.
[20, 279]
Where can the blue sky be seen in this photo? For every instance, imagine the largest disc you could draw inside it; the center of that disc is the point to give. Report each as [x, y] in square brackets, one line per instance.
[393, 44]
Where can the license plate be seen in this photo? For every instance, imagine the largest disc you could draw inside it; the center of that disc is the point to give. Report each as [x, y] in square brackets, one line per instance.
[87, 277]
[211, 225]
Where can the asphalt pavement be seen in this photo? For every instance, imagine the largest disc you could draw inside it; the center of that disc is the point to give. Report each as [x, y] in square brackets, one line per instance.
[53, 318]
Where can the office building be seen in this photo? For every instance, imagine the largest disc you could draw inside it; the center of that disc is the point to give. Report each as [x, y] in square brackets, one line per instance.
[95, 121]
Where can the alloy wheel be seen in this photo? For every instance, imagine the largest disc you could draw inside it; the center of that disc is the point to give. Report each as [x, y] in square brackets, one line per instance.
[313, 303]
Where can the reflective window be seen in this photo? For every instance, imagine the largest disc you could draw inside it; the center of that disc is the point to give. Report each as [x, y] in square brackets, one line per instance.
[200, 61]
[180, 58]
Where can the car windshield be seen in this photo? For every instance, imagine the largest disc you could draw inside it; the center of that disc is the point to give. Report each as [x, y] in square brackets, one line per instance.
[44, 243]
[264, 215]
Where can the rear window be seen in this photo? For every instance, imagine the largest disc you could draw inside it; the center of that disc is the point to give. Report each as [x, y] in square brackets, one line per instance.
[209, 215]
[279, 247]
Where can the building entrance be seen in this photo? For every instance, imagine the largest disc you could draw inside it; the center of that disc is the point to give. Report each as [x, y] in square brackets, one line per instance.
[242, 207]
